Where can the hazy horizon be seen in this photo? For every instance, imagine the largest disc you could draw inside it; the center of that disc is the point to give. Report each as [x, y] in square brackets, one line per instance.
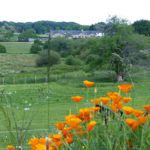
[84, 12]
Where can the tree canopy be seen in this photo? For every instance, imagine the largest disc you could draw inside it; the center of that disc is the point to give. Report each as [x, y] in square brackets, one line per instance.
[142, 27]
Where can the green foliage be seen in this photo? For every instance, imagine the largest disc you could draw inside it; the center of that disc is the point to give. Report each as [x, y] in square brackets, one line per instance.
[36, 47]
[142, 27]
[93, 60]
[24, 37]
[41, 27]
[111, 27]
[5, 34]
[2, 49]
[98, 27]
[61, 45]
[44, 59]
[104, 76]
[70, 60]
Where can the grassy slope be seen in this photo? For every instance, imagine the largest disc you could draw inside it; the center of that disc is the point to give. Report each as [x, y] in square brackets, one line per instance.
[17, 47]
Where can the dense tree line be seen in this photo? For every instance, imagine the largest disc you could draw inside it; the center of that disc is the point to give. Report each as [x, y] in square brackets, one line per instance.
[41, 27]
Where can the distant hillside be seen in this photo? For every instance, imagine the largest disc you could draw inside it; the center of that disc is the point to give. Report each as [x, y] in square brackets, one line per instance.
[41, 27]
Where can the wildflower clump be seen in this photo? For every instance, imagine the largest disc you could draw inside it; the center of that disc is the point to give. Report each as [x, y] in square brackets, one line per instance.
[82, 124]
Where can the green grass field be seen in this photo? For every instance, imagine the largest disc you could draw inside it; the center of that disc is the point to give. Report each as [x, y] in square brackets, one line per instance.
[17, 47]
[37, 98]
[44, 104]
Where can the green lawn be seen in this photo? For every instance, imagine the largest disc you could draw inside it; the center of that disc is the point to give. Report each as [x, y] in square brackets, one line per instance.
[34, 101]
[17, 47]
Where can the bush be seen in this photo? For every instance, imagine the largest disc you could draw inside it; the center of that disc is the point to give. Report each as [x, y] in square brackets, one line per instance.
[2, 49]
[36, 47]
[54, 58]
[104, 76]
[70, 60]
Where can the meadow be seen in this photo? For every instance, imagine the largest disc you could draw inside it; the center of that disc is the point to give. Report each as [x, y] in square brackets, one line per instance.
[17, 47]
[34, 106]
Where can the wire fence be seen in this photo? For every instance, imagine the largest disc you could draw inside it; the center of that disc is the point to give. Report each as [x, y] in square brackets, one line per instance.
[32, 111]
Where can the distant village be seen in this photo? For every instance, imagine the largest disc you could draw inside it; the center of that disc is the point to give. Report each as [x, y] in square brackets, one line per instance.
[70, 34]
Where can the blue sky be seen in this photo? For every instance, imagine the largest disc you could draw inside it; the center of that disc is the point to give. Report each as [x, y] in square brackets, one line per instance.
[80, 11]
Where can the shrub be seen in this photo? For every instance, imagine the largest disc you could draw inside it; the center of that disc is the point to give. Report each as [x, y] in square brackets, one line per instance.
[2, 49]
[104, 76]
[54, 58]
[36, 47]
[70, 60]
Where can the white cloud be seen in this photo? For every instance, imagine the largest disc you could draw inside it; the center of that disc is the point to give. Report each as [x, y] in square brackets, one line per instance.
[81, 11]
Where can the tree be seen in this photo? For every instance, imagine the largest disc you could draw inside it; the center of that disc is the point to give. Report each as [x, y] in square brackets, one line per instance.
[24, 37]
[61, 45]
[2, 49]
[54, 58]
[98, 27]
[112, 24]
[5, 34]
[142, 27]
[36, 47]
[117, 36]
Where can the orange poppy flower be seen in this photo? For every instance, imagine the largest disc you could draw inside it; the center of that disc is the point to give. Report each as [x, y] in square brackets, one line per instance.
[69, 138]
[125, 87]
[69, 117]
[60, 125]
[42, 140]
[126, 99]
[88, 84]
[147, 107]
[80, 131]
[77, 98]
[56, 137]
[73, 122]
[128, 110]
[115, 97]
[138, 113]
[57, 140]
[119, 105]
[132, 123]
[142, 119]
[95, 101]
[84, 111]
[94, 109]
[91, 125]
[40, 147]
[52, 147]
[117, 100]
[33, 141]
[113, 108]
[66, 131]
[105, 100]
[84, 114]
[10, 147]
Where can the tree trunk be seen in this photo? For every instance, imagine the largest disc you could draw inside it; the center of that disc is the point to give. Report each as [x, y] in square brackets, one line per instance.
[120, 77]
